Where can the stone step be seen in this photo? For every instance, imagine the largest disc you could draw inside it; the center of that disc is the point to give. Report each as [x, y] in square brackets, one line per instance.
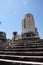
[31, 43]
[22, 53]
[23, 49]
[19, 52]
[30, 46]
[23, 58]
[16, 62]
[4, 55]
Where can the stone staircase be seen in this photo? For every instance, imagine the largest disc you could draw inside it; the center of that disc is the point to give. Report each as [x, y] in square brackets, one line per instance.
[29, 53]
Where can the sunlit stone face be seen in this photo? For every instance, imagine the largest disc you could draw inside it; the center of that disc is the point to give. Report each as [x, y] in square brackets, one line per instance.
[29, 25]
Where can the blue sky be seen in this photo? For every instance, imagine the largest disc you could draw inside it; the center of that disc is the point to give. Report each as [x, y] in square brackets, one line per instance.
[12, 12]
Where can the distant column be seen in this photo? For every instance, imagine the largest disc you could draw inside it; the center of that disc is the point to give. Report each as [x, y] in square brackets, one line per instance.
[28, 24]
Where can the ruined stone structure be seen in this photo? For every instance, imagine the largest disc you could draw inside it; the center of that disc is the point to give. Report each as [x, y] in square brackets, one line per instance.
[28, 27]
[24, 49]
[3, 39]
[28, 24]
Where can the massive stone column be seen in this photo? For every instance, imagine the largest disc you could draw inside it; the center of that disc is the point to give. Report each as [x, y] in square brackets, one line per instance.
[28, 24]
[28, 27]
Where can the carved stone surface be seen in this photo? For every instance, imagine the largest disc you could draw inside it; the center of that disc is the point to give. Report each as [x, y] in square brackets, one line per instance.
[28, 24]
